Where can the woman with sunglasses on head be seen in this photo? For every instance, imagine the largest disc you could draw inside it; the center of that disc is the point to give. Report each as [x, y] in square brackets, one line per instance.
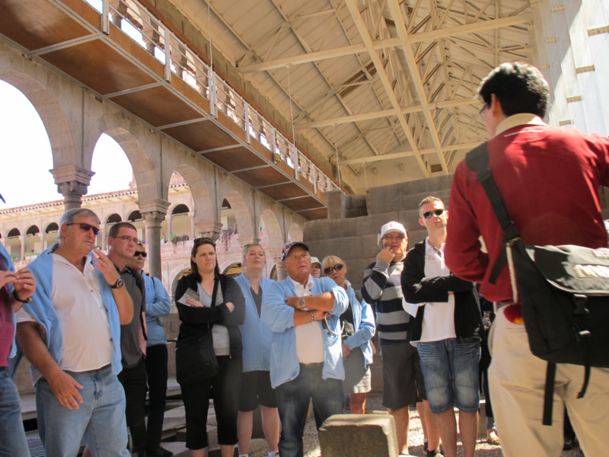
[358, 329]
[208, 301]
[256, 387]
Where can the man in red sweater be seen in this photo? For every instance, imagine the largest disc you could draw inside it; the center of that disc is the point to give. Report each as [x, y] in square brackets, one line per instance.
[549, 179]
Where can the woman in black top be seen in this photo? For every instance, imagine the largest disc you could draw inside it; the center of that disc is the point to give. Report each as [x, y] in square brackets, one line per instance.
[221, 317]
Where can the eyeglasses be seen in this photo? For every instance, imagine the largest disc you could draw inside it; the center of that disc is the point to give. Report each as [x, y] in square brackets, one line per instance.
[128, 239]
[481, 112]
[398, 237]
[429, 214]
[142, 253]
[337, 267]
[86, 227]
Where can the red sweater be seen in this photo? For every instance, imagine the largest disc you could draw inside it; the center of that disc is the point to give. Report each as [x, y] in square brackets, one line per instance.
[549, 179]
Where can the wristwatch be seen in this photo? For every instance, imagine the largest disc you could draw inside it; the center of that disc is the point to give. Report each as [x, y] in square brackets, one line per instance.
[301, 302]
[27, 300]
[118, 284]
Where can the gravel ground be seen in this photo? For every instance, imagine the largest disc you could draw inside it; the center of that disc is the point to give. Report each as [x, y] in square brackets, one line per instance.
[415, 437]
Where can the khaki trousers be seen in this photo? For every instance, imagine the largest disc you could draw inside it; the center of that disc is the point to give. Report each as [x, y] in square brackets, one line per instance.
[517, 380]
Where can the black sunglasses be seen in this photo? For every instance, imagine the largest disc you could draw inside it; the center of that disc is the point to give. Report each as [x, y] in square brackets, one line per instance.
[337, 267]
[86, 227]
[429, 214]
[138, 253]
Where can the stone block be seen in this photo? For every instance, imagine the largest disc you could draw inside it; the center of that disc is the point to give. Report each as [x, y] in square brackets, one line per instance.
[345, 248]
[355, 271]
[358, 435]
[384, 199]
[369, 247]
[336, 209]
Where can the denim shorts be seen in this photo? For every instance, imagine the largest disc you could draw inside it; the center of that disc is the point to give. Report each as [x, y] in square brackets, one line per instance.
[450, 370]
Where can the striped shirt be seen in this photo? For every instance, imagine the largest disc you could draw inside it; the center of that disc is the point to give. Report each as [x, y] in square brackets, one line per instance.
[382, 289]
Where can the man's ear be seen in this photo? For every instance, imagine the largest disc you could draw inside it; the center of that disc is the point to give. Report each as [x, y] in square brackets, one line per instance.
[421, 222]
[496, 108]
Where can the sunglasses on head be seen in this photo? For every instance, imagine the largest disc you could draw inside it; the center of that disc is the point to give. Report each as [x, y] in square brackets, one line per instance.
[86, 227]
[138, 253]
[337, 267]
[429, 214]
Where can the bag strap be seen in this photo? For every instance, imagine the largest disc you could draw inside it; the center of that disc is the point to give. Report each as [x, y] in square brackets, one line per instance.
[215, 292]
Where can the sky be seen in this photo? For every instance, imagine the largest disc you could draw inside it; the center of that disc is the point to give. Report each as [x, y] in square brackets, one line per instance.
[26, 156]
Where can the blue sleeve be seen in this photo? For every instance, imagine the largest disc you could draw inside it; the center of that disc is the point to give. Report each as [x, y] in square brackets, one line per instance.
[341, 301]
[366, 328]
[276, 314]
[161, 306]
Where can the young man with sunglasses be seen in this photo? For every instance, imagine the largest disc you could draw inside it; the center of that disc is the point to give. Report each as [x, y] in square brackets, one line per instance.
[70, 333]
[549, 180]
[158, 305]
[122, 242]
[402, 378]
[446, 332]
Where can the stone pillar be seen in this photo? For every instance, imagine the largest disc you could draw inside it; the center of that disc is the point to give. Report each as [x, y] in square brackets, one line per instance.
[281, 274]
[23, 237]
[104, 238]
[193, 233]
[72, 182]
[169, 220]
[209, 229]
[153, 212]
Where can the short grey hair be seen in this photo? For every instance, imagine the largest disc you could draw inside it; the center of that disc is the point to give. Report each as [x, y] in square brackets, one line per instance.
[246, 249]
[69, 216]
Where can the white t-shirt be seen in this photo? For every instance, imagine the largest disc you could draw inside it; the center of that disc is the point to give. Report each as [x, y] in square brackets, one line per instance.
[76, 297]
[439, 317]
[309, 340]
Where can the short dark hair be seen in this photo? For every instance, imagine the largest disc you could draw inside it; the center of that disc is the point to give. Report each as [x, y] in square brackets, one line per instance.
[429, 199]
[193, 253]
[519, 87]
[113, 232]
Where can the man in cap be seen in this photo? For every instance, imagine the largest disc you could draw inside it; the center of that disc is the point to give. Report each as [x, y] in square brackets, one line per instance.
[306, 349]
[402, 378]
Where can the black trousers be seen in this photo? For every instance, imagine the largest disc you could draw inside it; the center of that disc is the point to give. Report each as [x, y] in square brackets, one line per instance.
[156, 367]
[134, 382]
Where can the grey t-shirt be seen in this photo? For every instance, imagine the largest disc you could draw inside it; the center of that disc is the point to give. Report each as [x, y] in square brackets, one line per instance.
[130, 333]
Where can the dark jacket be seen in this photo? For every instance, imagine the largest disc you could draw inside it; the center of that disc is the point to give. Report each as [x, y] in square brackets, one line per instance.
[195, 320]
[468, 322]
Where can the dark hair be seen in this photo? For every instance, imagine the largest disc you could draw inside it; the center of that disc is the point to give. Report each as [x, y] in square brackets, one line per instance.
[193, 253]
[519, 87]
[113, 232]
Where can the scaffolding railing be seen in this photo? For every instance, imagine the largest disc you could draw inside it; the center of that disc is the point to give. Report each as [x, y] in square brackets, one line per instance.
[136, 22]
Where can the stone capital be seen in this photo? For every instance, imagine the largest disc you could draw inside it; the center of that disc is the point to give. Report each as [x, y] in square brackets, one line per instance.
[72, 174]
[209, 229]
[153, 211]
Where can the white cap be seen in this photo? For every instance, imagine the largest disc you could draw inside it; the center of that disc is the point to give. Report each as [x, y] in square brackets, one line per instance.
[392, 226]
[315, 260]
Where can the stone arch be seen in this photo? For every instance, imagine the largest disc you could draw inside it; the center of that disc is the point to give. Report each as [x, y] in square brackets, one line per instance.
[176, 278]
[114, 218]
[13, 232]
[33, 230]
[271, 223]
[295, 232]
[180, 208]
[242, 215]
[204, 206]
[134, 216]
[52, 227]
[52, 115]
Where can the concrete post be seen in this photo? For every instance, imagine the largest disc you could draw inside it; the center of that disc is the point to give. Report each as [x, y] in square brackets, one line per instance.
[72, 182]
[153, 212]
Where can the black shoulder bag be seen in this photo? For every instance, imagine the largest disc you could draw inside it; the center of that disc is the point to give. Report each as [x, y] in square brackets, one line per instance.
[195, 357]
[563, 292]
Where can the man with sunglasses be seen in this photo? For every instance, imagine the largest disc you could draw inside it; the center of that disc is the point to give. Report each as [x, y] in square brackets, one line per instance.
[70, 333]
[401, 370]
[306, 355]
[158, 305]
[446, 332]
[549, 180]
[122, 242]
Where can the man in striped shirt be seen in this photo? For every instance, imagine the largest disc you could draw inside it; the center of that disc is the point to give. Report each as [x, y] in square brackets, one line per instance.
[402, 378]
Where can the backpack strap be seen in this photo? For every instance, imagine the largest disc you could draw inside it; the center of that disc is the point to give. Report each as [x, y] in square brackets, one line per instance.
[548, 394]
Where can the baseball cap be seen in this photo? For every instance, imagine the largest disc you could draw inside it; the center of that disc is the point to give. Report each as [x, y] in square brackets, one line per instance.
[291, 244]
[392, 226]
[315, 260]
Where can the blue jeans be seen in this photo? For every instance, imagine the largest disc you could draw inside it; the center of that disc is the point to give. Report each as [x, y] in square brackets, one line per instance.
[100, 419]
[450, 370]
[13, 442]
[293, 403]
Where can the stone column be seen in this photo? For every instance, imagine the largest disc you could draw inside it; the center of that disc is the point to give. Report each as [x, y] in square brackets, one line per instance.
[169, 221]
[209, 229]
[281, 275]
[153, 212]
[72, 182]
[104, 238]
[23, 237]
[193, 233]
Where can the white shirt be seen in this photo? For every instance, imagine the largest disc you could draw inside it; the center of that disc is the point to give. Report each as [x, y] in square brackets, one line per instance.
[439, 317]
[309, 340]
[76, 297]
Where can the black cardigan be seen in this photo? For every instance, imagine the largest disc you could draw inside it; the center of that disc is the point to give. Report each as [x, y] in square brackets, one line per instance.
[468, 321]
[195, 320]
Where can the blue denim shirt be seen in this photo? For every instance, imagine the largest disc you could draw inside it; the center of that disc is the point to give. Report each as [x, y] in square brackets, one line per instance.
[255, 333]
[158, 305]
[280, 318]
[8, 264]
[41, 308]
[363, 322]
